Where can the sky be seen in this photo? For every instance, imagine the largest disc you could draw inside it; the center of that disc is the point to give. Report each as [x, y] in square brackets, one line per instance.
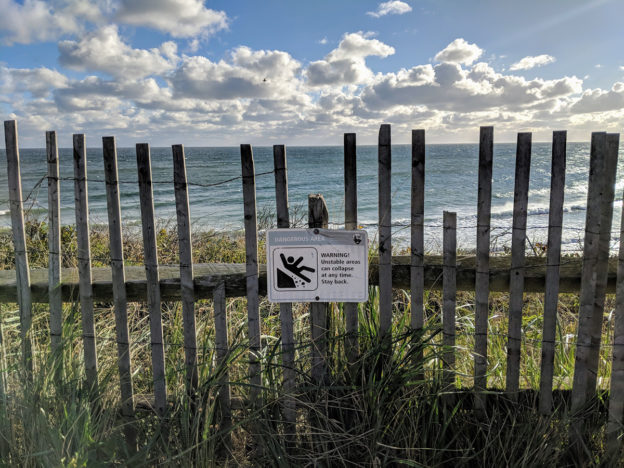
[222, 73]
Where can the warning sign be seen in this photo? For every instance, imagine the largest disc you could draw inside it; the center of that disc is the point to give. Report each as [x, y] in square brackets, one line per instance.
[309, 265]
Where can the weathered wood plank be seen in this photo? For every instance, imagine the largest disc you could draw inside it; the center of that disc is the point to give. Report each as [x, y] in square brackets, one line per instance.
[590, 258]
[251, 261]
[54, 254]
[482, 288]
[111, 176]
[352, 347]
[24, 298]
[449, 295]
[318, 217]
[385, 231]
[208, 276]
[84, 262]
[606, 220]
[417, 242]
[186, 267]
[286, 318]
[616, 394]
[551, 295]
[518, 245]
[223, 350]
[150, 255]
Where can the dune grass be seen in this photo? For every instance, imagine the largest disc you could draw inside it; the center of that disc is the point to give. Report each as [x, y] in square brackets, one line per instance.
[372, 413]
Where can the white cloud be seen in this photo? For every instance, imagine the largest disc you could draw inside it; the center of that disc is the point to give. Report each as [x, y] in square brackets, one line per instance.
[37, 81]
[449, 87]
[323, 41]
[35, 21]
[532, 61]
[347, 63]
[180, 18]
[104, 51]
[393, 7]
[459, 51]
[599, 100]
[248, 74]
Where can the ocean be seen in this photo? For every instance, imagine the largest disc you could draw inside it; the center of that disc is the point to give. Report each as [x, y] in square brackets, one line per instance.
[450, 184]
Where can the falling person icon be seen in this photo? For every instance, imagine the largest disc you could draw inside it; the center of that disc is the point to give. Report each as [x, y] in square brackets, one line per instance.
[292, 265]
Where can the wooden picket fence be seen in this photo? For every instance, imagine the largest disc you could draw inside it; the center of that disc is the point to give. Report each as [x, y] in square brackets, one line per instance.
[415, 272]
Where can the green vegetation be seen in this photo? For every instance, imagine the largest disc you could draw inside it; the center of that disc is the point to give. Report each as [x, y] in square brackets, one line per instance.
[371, 414]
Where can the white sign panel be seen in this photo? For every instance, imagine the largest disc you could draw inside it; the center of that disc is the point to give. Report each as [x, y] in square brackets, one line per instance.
[310, 265]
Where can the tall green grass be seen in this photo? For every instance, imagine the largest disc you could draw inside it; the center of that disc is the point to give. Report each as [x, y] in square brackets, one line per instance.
[375, 412]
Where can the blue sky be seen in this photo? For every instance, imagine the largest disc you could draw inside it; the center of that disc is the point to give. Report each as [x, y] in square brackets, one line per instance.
[227, 72]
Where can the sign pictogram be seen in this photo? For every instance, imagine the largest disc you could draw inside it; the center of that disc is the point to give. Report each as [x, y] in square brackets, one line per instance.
[295, 268]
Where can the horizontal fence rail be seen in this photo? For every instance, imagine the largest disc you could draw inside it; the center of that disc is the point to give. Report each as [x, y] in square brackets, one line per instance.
[208, 276]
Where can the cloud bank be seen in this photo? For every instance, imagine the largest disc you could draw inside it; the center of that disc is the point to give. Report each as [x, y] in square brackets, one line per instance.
[104, 85]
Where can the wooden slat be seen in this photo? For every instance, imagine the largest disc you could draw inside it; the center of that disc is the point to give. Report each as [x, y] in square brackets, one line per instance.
[606, 220]
[518, 245]
[385, 231]
[111, 176]
[616, 394]
[352, 347]
[54, 254]
[551, 295]
[19, 240]
[449, 295]
[84, 261]
[318, 217]
[417, 229]
[484, 203]
[251, 261]
[150, 254]
[286, 318]
[223, 350]
[186, 267]
[590, 259]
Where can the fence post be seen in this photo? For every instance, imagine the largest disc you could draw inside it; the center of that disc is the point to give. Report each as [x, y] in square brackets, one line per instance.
[516, 273]
[54, 256]
[588, 274]
[417, 242]
[597, 166]
[150, 252]
[482, 281]
[318, 217]
[22, 271]
[616, 393]
[551, 294]
[602, 266]
[352, 348]
[221, 342]
[187, 287]
[251, 259]
[385, 233]
[286, 317]
[84, 262]
[109, 154]
[449, 295]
